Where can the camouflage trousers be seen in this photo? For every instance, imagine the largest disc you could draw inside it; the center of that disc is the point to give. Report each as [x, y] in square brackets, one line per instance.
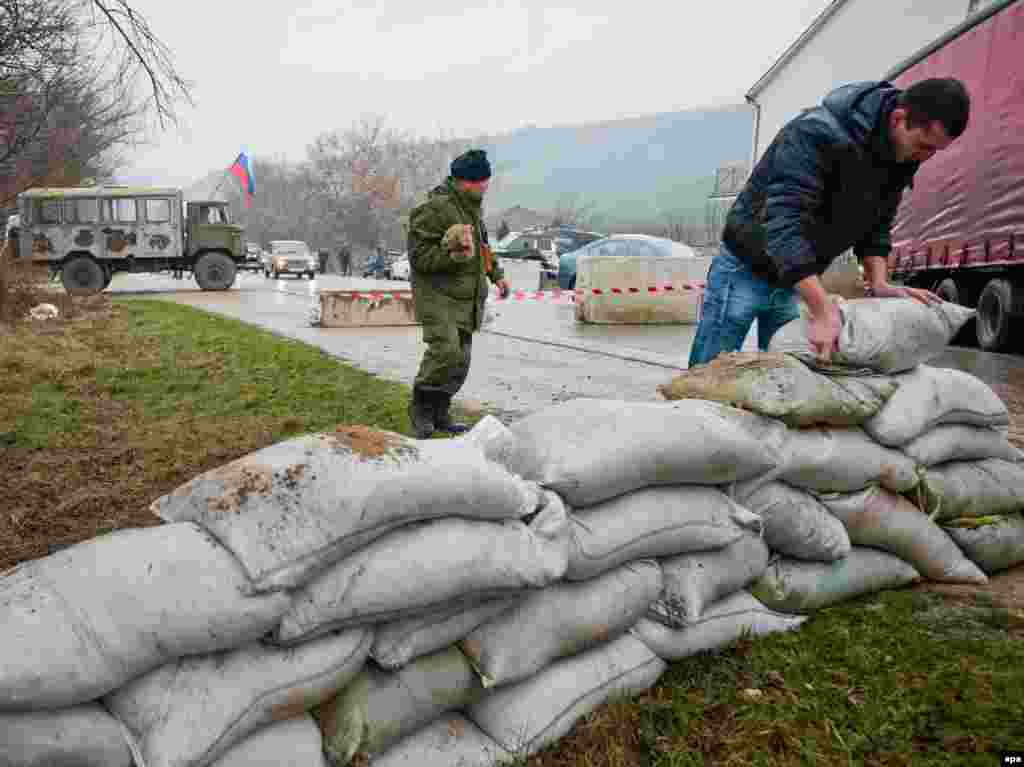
[445, 363]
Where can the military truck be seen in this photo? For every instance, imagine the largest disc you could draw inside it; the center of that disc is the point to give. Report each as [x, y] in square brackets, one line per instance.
[88, 234]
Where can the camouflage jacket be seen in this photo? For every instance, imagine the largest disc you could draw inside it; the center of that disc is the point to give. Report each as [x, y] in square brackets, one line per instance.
[447, 290]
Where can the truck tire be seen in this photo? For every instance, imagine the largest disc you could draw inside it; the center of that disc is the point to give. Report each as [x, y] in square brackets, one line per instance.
[108, 275]
[994, 315]
[82, 275]
[950, 290]
[215, 271]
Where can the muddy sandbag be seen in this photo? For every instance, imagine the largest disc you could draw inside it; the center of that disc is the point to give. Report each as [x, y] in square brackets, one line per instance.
[722, 623]
[590, 450]
[883, 520]
[291, 743]
[561, 620]
[191, 711]
[885, 335]
[795, 522]
[955, 442]
[451, 741]
[526, 716]
[694, 581]
[294, 508]
[77, 736]
[399, 642]
[972, 489]
[844, 461]
[931, 396]
[84, 620]
[416, 570]
[992, 543]
[378, 708]
[780, 386]
[653, 522]
[795, 586]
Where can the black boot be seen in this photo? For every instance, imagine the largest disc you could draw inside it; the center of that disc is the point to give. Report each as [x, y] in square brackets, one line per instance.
[442, 415]
[421, 413]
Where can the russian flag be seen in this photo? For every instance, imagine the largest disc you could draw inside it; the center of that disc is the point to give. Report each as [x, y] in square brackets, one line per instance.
[242, 170]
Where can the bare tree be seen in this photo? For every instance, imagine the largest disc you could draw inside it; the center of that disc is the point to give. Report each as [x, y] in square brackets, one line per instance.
[577, 211]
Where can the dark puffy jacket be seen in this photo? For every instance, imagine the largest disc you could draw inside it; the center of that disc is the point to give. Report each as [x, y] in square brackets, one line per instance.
[828, 182]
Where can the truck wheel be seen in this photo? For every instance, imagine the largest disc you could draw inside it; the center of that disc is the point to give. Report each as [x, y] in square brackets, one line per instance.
[81, 274]
[215, 271]
[108, 275]
[949, 290]
[994, 318]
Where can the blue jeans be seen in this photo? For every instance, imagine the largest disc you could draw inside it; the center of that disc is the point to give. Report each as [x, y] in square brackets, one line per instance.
[733, 299]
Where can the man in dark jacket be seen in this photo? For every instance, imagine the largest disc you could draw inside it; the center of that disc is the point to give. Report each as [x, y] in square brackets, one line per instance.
[830, 181]
[450, 263]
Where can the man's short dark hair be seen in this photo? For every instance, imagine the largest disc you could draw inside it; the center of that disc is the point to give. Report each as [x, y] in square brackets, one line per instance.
[942, 99]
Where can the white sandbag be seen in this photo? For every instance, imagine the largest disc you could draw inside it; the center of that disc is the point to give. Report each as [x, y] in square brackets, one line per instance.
[401, 641]
[291, 743]
[78, 736]
[886, 335]
[84, 620]
[780, 386]
[793, 586]
[931, 396]
[722, 623]
[563, 619]
[191, 711]
[590, 450]
[653, 522]
[993, 543]
[843, 461]
[956, 442]
[451, 741]
[972, 489]
[416, 570]
[378, 708]
[795, 522]
[526, 716]
[694, 581]
[294, 508]
[883, 520]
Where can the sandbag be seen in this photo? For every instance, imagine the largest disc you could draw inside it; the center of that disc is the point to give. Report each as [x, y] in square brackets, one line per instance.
[694, 581]
[378, 708]
[590, 450]
[401, 641]
[188, 713]
[843, 461]
[526, 716]
[294, 508]
[451, 741]
[972, 489]
[291, 743]
[415, 570]
[563, 619]
[956, 442]
[882, 520]
[77, 736]
[780, 386]
[885, 335]
[86, 619]
[720, 624]
[795, 523]
[992, 543]
[794, 586]
[653, 522]
[931, 396]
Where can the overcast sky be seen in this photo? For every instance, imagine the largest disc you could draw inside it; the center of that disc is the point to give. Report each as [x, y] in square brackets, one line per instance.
[271, 76]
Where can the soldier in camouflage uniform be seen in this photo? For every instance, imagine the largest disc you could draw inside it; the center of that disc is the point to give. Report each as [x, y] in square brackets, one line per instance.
[450, 263]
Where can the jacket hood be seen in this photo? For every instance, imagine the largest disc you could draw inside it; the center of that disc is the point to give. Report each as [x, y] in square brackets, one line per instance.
[862, 109]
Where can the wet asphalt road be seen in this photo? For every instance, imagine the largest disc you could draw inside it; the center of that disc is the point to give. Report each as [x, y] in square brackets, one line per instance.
[531, 353]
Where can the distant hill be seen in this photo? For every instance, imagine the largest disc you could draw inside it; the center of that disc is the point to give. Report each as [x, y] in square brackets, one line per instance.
[636, 169]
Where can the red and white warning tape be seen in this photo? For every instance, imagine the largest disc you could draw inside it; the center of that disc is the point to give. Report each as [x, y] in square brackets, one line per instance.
[536, 295]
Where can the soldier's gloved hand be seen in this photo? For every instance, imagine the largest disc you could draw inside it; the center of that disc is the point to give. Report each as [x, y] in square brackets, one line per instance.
[458, 241]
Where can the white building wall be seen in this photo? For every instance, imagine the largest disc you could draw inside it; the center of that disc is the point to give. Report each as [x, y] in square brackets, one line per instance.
[862, 40]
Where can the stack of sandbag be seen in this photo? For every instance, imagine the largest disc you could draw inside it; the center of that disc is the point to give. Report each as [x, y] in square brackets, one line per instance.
[209, 639]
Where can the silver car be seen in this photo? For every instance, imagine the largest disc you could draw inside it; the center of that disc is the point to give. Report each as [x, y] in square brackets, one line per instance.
[290, 257]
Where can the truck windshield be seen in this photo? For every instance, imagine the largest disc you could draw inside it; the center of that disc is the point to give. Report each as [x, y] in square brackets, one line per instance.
[214, 215]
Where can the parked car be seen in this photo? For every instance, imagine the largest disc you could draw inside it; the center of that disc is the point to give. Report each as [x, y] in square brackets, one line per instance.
[290, 257]
[619, 245]
[534, 246]
[400, 269]
[253, 260]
